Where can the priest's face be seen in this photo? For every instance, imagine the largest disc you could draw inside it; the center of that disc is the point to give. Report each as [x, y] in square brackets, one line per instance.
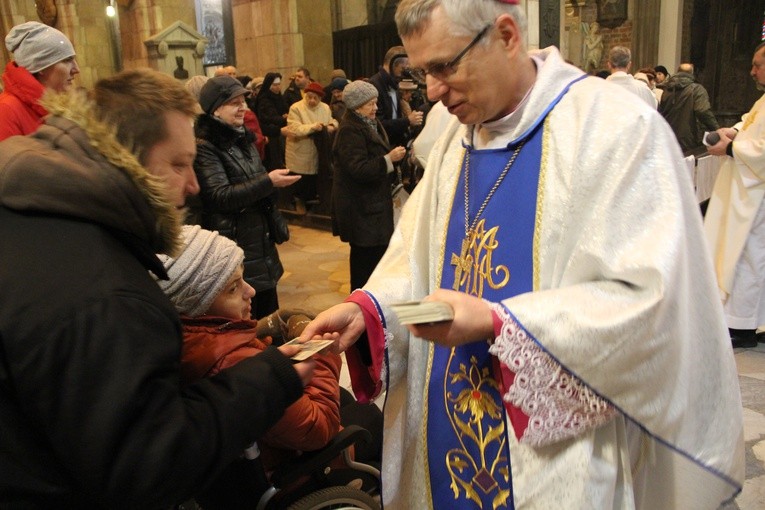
[474, 86]
[758, 69]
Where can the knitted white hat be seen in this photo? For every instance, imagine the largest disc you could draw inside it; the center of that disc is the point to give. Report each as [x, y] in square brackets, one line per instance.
[201, 271]
[36, 46]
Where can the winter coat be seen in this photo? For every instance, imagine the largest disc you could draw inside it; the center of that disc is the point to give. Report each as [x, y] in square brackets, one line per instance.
[396, 129]
[685, 106]
[211, 344]
[20, 112]
[92, 412]
[362, 208]
[235, 190]
[252, 123]
[270, 109]
[302, 154]
[292, 94]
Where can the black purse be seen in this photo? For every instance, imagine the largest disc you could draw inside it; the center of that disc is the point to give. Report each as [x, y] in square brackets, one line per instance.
[277, 224]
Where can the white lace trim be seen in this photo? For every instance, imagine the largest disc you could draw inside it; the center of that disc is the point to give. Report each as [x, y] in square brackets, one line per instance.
[559, 405]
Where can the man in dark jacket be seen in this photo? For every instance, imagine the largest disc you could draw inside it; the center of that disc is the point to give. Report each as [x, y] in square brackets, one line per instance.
[92, 412]
[389, 112]
[299, 82]
[685, 106]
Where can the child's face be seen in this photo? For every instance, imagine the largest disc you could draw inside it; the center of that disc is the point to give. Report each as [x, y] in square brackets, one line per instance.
[233, 301]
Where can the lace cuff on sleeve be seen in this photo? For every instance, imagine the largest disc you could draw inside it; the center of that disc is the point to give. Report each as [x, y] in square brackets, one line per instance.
[545, 402]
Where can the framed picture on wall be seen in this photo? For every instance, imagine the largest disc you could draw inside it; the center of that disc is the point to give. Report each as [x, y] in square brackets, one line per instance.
[612, 13]
[214, 22]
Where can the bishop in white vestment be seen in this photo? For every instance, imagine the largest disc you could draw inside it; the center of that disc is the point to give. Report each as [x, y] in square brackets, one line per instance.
[587, 365]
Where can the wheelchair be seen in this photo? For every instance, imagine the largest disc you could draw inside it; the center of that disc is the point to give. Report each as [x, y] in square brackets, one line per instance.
[309, 482]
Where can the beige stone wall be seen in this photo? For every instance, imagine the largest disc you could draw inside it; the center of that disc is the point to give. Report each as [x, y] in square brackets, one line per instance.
[351, 13]
[281, 35]
[87, 26]
[145, 18]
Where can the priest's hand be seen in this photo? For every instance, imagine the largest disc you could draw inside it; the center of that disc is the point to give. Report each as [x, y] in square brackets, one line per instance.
[472, 321]
[343, 322]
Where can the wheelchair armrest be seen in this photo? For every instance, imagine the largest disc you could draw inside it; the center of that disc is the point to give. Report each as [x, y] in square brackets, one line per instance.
[309, 462]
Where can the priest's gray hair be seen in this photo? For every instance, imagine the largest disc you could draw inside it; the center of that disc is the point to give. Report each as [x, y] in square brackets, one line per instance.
[468, 17]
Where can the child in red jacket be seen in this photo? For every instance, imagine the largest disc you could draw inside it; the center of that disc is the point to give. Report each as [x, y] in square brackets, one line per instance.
[206, 286]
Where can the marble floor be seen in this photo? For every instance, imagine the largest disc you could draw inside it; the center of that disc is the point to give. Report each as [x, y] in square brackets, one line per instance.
[316, 277]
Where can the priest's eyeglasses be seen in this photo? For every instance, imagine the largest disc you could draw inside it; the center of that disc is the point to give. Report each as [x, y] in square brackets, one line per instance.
[444, 70]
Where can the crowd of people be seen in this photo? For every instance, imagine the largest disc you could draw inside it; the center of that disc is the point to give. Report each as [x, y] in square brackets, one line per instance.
[587, 362]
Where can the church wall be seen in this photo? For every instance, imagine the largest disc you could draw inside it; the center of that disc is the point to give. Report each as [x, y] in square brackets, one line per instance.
[281, 35]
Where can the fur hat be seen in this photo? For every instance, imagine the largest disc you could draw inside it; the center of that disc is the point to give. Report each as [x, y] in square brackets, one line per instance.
[337, 73]
[36, 46]
[201, 271]
[357, 93]
[256, 83]
[218, 90]
[314, 87]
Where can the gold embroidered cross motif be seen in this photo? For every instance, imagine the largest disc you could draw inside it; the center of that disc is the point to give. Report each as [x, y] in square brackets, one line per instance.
[473, 267]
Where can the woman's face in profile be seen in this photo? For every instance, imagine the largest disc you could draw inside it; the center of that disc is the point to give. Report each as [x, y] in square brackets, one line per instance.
[368, 109]
[60, 76]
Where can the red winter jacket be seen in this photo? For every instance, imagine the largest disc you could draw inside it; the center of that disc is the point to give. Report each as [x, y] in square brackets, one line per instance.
[20, 113]
[211, 344]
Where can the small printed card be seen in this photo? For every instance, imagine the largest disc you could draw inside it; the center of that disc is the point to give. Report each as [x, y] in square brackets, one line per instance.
[309, 348]
[421, 312]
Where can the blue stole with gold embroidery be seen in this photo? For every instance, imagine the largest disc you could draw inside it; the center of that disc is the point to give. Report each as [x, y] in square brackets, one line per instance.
[468, 450]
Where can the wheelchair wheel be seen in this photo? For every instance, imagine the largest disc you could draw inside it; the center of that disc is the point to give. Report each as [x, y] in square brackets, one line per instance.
[340, 497]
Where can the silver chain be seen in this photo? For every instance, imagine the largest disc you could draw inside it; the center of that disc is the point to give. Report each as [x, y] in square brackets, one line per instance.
[491, 191]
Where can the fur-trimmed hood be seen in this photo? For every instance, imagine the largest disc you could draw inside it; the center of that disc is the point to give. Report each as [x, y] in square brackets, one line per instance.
[74, 166]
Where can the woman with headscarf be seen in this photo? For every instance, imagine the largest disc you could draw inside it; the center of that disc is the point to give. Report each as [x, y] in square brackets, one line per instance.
[236, 191]
[272, 109]
[362, 207]
[43, 59]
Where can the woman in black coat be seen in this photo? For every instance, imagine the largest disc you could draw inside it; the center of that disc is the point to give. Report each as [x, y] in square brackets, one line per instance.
[236, 191]
[271, 110]
[362, 208]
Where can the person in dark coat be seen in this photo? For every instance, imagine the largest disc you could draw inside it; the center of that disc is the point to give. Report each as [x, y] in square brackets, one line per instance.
[271, 110]
[362, 208]
[686, 108]
[237, 193]
[386, 81]
[296, 88]
[92, 411]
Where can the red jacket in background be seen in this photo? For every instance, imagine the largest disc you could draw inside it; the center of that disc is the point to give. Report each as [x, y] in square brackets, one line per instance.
[211, 344]
[252, 123]
[20, 113]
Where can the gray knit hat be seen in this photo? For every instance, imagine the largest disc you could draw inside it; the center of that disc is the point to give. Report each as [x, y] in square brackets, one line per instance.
[36, 46]
[201, 271]
[357, 93]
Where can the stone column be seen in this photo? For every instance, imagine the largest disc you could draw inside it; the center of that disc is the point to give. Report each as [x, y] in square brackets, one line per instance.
[670, 34]
[281, 35]
[645, 30]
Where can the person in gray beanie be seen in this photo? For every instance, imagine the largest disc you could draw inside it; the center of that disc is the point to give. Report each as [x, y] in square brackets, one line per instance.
[43, 59]
[357, 93]
[362, 209]
[201, 271]
[206, 284]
